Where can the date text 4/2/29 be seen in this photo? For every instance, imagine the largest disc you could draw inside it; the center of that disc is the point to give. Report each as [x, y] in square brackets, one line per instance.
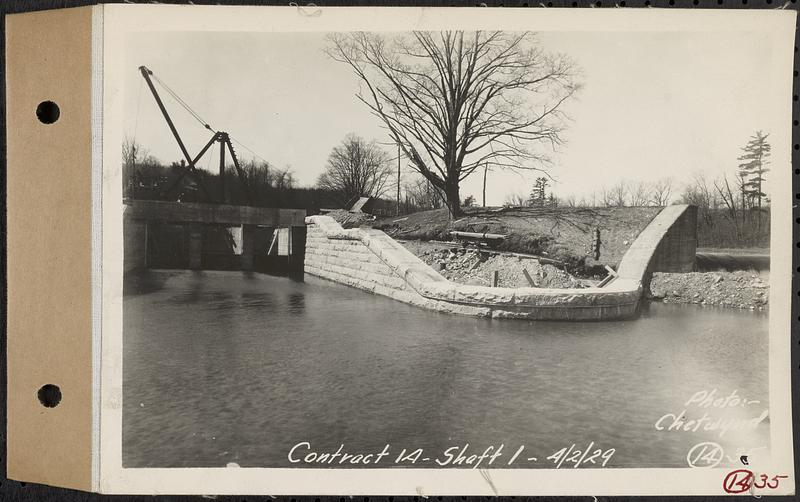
[578, 456]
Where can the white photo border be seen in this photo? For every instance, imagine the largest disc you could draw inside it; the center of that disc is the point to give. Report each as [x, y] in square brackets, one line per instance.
[120, 20]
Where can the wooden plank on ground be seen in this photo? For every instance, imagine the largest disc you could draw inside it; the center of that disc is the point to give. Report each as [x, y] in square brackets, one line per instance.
[528, 277]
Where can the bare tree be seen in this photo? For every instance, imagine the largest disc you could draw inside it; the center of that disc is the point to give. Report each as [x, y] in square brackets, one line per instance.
[455, 101]
[284, 179]
[357, 169]
[741, 180]
[569, 201]
[640, 193]
[515, 200]
[618, 194]
[728, 196]
[138, 167]
[259, 174]
[697, 192]
[131, 152]
[262, 177]
[421, 194]
[661, 191]
[606, 197]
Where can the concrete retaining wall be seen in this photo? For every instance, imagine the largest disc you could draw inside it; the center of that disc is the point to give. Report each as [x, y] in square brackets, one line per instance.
[667, 244]
[369, 259]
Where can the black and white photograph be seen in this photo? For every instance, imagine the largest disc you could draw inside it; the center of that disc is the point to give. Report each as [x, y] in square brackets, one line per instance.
[436, 246]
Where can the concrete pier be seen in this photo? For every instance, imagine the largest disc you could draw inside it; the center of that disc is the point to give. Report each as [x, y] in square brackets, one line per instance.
[195, 246]
[248, 246]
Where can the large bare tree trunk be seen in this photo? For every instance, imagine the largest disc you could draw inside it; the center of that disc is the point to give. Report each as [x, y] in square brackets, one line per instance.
[453, 200]
[455, 101]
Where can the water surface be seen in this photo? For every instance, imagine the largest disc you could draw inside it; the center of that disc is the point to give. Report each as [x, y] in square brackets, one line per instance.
[224, 367]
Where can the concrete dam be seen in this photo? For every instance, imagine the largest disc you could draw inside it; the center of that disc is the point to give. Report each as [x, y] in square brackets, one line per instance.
[188, 235]
[370, 260]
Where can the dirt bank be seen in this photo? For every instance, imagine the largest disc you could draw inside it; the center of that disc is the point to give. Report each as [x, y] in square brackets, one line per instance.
[471, 266]
[564, 233]
[741, 289]
[563, 237]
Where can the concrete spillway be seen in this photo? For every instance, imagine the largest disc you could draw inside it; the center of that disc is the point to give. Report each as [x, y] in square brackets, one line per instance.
[369, 259]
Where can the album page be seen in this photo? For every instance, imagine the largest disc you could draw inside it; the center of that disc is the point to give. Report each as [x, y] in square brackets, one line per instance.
[431, 251]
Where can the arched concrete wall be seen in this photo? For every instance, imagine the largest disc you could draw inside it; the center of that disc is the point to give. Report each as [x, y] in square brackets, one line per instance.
[371, 260]
[667, 244]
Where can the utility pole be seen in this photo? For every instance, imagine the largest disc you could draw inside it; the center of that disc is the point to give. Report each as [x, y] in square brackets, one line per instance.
[485, 170]
[222, 140]
[398, 179]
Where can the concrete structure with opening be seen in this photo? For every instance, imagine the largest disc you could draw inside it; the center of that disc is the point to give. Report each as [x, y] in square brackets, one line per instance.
[198, 236]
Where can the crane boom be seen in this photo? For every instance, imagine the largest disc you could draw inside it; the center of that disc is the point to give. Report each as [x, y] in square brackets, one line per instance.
[191, 168]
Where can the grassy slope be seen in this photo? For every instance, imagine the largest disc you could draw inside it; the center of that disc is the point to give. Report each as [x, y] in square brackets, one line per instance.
[562, 233]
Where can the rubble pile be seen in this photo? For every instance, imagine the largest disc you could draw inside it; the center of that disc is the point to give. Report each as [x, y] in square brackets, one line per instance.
[477, 267]
[740, 289]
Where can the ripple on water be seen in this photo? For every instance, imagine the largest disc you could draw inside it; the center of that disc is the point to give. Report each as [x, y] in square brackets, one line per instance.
[226, 367]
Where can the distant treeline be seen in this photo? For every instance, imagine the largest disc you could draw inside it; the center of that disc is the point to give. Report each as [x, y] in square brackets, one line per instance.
[266, 186]
[727, 215]
[716, 228]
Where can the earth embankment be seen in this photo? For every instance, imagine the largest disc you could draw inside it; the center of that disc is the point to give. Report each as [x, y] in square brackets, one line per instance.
[566, 234]
[563, 242]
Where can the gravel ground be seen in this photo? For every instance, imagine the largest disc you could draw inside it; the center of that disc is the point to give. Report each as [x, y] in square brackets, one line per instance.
[470, 266]
[740, 289]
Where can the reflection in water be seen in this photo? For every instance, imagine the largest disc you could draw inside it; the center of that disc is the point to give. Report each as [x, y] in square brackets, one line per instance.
[297, 303]
[226, 367]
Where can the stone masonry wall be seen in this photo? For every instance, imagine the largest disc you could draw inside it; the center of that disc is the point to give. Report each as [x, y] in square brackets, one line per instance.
[368, 259]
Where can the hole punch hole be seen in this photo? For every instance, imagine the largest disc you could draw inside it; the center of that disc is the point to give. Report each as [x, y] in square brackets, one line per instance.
[47, 112]
[49, 395]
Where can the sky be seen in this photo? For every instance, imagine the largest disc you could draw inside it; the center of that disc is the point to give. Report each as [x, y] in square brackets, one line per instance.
[653, 104]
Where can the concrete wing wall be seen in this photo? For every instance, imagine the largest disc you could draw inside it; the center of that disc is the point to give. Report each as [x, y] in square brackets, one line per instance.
[369, 259]
[668, 244]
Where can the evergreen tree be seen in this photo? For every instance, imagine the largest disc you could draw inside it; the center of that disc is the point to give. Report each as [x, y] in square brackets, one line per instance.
[538, 195]
[752, 168]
